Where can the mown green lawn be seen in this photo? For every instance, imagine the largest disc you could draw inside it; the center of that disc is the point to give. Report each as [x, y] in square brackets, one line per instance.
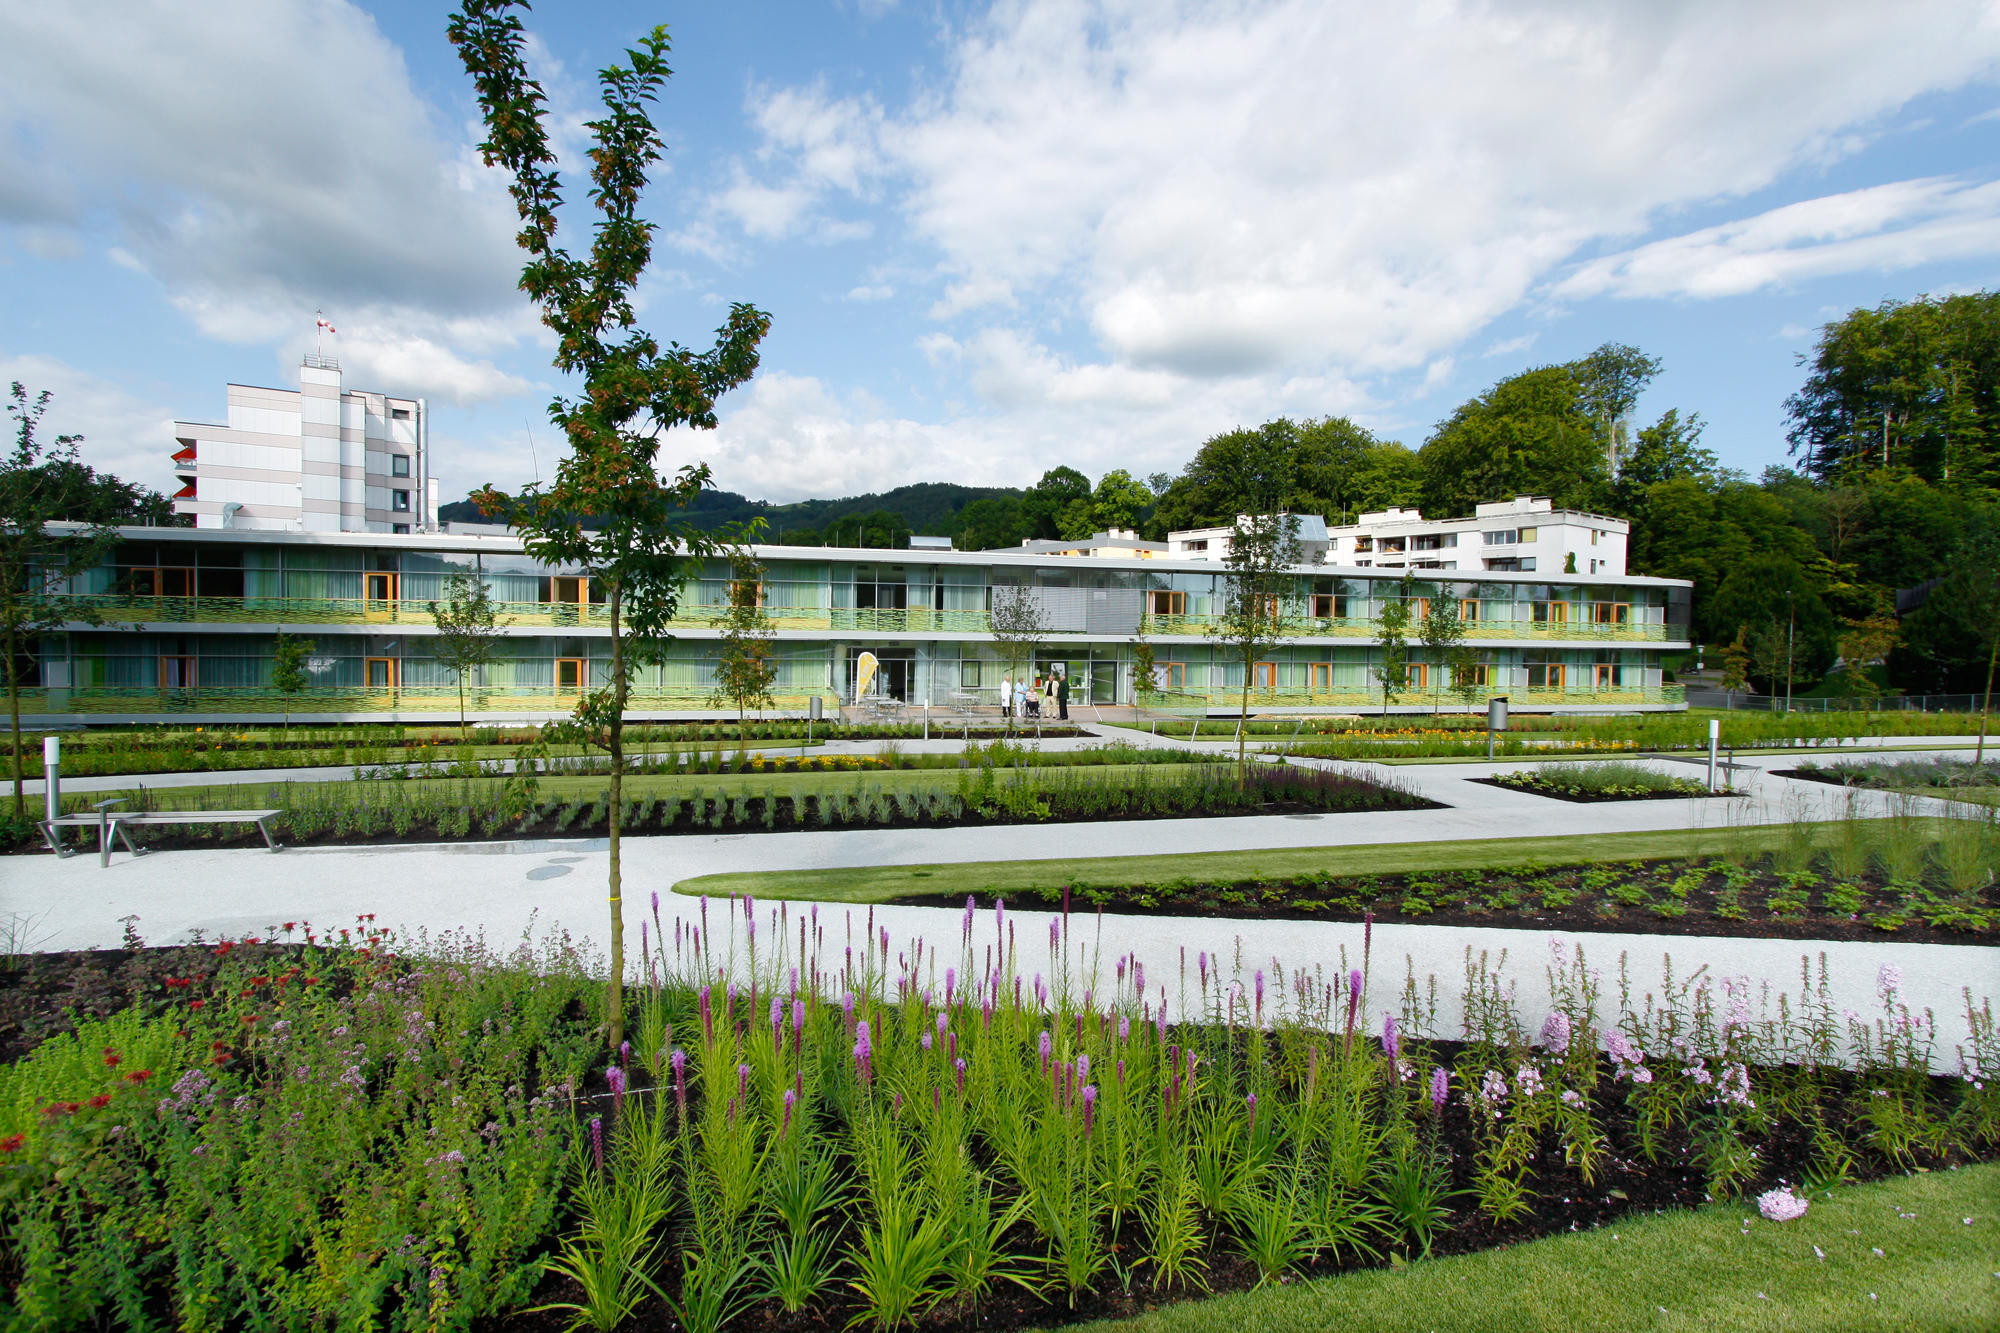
[1914, 1253]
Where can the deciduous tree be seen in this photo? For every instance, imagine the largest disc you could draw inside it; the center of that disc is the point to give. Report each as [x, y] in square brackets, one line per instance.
[746, 666]
[1257, 610]
[633, 389]
[468, 630]
[288, 669]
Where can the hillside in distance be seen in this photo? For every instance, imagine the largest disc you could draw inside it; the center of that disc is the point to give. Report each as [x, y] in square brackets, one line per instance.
[884, 519]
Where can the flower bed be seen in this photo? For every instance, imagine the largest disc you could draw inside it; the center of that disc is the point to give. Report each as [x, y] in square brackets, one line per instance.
[390, 812]
[300, 1134]
[1590, 783]
[1779, 897]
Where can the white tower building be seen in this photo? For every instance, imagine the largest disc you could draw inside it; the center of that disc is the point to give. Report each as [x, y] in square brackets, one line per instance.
[320, 458]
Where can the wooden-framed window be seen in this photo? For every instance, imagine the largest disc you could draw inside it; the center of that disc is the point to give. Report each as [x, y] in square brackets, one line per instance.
[161, 581]
[1162, 602]
[1264, 675]
[380, 587]
[1606, 675]
[1170, 675]
[1419, 675]
[1468, 610]
[1320, 675]
[1545, 675]
[1551, 613]
[382, 673]
[1329, 606]
[177, 671]
[1473, 673]
[570, 673]
[1611, 613]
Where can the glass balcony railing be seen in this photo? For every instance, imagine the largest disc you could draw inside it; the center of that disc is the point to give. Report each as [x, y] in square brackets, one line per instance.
[441, 699]
[1476, 631]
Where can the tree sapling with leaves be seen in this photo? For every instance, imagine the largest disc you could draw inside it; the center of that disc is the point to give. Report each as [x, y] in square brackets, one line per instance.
[1257, 611]
[289, 676]
[747, 664]
[468, 630]
[635, 547]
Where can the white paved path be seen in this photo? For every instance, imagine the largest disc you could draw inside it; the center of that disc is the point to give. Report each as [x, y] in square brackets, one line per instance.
[505, 889]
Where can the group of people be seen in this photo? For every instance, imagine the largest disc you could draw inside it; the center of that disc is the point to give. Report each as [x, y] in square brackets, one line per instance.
[1027, 697]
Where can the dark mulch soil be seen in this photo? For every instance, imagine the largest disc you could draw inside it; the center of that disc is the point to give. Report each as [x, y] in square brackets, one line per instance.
[1626, 898]
[1597, 797]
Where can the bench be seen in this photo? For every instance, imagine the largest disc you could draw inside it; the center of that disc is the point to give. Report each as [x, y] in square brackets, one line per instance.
[111, 825]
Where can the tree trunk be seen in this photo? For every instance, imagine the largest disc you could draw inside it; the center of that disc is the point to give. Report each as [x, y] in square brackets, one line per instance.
[1985, 711]
[14, 719]
[464, 736]
[614, 999]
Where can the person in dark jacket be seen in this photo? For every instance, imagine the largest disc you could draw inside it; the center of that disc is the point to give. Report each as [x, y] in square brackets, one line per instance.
[1062, 696]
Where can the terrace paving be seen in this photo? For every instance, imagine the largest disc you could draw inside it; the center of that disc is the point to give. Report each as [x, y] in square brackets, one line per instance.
[510, 889]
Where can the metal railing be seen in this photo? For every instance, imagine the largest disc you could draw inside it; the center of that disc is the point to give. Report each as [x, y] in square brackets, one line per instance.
[173, 700]
[115, 608]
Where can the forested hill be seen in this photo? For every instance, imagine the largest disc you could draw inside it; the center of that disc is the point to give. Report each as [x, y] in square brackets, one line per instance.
[876, 519]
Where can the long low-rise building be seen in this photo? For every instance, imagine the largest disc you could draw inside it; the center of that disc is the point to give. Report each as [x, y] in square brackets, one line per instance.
[186, 620]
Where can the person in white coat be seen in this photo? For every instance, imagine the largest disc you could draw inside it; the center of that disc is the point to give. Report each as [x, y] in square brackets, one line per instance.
[1006, 696]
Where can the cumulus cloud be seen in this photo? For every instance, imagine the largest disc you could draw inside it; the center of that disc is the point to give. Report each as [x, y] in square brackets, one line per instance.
[1223, 189]
[260, 158]
[125, 433]
[1882, 228]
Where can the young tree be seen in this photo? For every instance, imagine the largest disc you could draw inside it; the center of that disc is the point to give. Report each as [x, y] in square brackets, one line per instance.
[634, 390]
[1018, 630]
[36, 560]
[1464, 664]
[288, 669]
[1443, 635]
[1258, 612]
[747, 664]
[1735, 663]
[1392, 642]
[1145, 682]
[468, 630]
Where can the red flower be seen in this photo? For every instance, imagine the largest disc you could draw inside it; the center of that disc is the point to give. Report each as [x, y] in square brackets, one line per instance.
[288, 926]
[248, 1019]
[54, 1109]
[111, 1058]
[13, 1142]
[196, 1004]
[175, 983]
[99, 1102]
[139, 1077]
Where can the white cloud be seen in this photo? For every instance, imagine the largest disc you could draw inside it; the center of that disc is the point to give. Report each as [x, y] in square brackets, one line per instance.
[1223, 189]
[1882, 228]
[260, 158]
[124, 433]
[879, 292]
[1509, 346]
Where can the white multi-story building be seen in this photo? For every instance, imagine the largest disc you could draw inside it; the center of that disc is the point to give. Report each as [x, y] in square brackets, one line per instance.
[1526, 535]
[1309, 530]
[319, 458]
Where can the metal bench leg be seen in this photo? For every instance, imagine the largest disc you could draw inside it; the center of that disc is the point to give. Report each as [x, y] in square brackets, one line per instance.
[126, 834]
[54, 839]
[104, 827]
[264, 829]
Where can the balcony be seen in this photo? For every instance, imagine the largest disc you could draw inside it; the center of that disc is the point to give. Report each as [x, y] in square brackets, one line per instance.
[168, 701]
[1476, 631]
[121, 609]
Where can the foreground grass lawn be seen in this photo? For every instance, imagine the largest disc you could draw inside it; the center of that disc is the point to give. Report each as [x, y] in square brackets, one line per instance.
[866, 884]
[1898, 1254]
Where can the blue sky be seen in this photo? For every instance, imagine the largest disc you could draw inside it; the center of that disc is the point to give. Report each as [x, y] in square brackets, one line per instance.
[996, 238]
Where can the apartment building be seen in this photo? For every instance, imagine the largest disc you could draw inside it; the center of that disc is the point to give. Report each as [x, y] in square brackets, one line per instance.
[1214, 544]
[1524, 535]
[186, 621]
[319, 458]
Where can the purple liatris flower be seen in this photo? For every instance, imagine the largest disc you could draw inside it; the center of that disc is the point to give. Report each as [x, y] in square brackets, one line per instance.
[750, 929]
[1257, 980]
[1391, 1040]
[1440, 1088]
[743, 1081]
[615, 1077]
[791, 1102]
[1089, 1108]
[847, 1007]
[597, 1141]
[924, 1040]
[970, 904]
[624, 1052]
[950, 984]
[777, 1020]
[798, 1019]
[959, 1065]
[1083, 1068]
[1251, 1102]
[707, 1014]
[1045, 1045]
[1555, 1031]
[999, 914]
[678, 1060]
[1124, 1028]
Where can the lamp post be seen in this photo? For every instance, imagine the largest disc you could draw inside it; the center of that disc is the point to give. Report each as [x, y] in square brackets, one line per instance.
[1791, 622]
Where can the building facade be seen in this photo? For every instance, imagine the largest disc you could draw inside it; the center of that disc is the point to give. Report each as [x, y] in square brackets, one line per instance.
[187, 620]
[319, 458]
[1524, 535]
